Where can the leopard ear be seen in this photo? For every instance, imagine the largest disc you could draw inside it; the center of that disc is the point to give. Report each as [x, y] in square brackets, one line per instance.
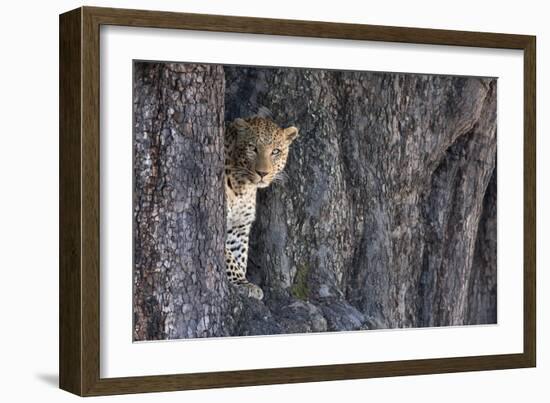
[240, 124]
[291, 133]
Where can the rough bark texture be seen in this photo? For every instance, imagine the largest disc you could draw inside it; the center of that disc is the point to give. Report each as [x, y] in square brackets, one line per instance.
[387, 219]
[482, 293]
[377, 226]
[179, 211]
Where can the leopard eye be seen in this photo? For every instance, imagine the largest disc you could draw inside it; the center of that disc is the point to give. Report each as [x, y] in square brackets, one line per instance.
[276, 151]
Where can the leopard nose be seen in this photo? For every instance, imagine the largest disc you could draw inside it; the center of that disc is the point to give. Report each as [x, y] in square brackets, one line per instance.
[262, 173]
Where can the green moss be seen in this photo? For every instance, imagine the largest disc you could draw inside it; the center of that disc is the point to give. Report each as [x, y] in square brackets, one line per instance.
[300, 289]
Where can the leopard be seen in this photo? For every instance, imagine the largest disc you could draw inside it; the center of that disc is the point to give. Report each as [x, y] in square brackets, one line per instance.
[256, 152]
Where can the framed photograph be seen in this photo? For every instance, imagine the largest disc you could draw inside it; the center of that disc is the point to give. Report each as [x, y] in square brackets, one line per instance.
[249, 201]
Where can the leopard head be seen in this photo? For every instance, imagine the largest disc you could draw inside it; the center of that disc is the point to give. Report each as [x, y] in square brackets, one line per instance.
[258, 150]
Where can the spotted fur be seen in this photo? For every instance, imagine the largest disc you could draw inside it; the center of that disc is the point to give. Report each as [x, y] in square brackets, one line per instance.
[256, 151]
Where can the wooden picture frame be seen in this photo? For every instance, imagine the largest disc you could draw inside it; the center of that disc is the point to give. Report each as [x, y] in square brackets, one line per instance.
[79, 201]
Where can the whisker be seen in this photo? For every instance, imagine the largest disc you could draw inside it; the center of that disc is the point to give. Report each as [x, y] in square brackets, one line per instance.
[280, 179]
[243, 170]
[281, 176]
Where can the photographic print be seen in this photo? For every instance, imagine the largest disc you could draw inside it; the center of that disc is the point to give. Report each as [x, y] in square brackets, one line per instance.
[279, 200]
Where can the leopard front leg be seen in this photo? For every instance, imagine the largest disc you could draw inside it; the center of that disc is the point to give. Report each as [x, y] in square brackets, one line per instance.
[236, 273]
[236, 256]
[240, 216]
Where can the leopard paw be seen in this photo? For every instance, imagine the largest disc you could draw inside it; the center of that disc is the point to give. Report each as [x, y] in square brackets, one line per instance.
[250, 290]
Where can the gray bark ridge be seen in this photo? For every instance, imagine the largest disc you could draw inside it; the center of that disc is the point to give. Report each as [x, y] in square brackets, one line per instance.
[179, 212]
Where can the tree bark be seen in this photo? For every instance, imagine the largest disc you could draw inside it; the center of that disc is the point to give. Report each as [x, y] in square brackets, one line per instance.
[387, 219]
[483, 280]
[378, 225]
[179, 212]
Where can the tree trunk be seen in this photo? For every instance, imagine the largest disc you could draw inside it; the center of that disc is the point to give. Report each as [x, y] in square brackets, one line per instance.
[378, 225]
[483, 281]
[179, 211]
[387, 219]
